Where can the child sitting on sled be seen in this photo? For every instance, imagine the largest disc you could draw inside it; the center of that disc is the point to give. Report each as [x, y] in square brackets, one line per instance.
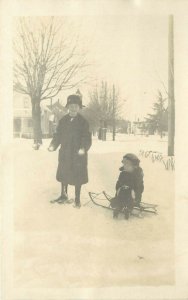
[129, 187]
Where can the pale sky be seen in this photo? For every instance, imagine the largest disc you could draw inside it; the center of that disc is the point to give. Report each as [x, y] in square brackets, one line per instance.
[130, 51]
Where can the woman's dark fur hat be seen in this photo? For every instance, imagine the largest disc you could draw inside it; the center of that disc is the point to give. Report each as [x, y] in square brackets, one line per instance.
[74, 99]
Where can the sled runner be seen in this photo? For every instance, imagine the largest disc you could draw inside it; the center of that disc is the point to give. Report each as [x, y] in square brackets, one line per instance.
[104, 200]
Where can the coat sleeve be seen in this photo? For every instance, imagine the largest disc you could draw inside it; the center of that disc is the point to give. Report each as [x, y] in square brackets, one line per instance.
[119, 182]
[139, 185]
[86, 140]
[56, 140]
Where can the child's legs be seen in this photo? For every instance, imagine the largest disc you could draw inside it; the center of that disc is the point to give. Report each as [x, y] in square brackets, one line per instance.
[117, 205]
[114, 202]
[125, 199]
[77, 194]
[64, 188]
[130, 203]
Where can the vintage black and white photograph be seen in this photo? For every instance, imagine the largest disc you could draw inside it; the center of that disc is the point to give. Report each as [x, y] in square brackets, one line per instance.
[93, 152]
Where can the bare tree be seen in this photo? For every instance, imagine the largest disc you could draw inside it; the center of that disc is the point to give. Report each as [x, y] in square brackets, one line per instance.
[100, 105]
[46, 61]
[104, 106]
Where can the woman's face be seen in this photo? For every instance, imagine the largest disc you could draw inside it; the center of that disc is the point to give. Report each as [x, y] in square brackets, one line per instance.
[128, 166]
[73, 109]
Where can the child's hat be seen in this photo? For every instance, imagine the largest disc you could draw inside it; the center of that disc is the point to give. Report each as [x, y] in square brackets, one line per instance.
[132, 157]
[74, 99]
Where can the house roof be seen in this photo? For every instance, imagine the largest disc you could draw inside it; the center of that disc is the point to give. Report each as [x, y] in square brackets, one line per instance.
[56, 106]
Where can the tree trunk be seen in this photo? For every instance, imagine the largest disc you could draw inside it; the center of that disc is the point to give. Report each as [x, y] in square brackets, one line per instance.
[36, 117]
[113, 116]
[171, 100]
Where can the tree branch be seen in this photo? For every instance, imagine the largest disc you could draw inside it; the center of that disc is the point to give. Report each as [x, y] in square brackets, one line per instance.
[44, 62]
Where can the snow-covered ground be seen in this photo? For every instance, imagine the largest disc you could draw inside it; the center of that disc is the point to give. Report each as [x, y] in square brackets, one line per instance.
[57, 246]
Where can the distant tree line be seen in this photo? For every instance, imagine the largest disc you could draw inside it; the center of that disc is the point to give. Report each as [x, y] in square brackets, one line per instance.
[104, 109]
[158, 120]
[104, 106]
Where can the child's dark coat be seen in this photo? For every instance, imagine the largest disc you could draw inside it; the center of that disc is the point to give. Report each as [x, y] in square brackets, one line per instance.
[134, 180]
[128, 182]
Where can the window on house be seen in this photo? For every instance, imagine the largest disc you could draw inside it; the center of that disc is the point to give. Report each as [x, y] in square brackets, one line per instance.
[26, 103]
[17, 125]
[29, 123]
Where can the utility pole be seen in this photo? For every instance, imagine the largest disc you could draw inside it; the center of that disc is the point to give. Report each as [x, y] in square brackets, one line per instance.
[171, 100]
[113, 114]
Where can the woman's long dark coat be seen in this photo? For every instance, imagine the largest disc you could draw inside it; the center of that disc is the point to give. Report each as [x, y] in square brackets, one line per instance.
[72, 136]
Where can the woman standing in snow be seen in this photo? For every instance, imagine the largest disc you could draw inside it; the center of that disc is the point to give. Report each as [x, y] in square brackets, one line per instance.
[75, 139]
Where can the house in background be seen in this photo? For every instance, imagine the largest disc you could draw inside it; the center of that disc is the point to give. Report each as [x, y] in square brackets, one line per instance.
[57, 112]
[139, 128]
[22, 123]
[22, 112]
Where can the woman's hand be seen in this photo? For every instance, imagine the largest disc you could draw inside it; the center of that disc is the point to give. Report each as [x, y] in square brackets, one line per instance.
[81, 152]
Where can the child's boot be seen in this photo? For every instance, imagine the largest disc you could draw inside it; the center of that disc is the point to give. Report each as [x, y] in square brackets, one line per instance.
[115, 214]
[61, 199]
[77, 203]
[126, 213]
